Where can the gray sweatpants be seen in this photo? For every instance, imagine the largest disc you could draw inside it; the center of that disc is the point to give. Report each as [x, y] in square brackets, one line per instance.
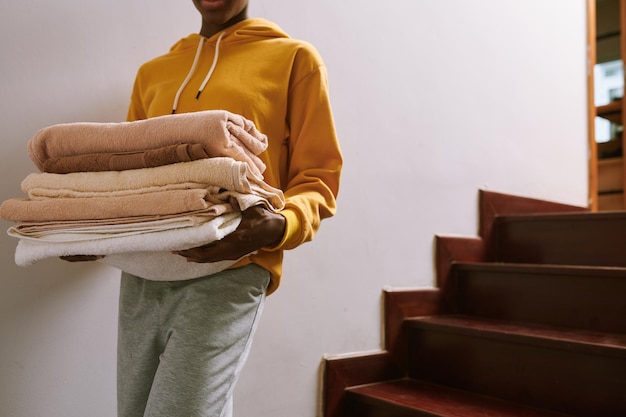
[182, 344]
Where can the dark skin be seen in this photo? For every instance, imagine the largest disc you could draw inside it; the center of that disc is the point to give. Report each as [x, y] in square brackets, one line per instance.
[219, 15]
[259, 227]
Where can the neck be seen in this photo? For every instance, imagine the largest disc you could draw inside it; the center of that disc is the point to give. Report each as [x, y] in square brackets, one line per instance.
[209, 28]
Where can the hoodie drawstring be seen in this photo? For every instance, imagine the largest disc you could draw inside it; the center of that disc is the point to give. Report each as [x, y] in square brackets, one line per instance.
[192, 70]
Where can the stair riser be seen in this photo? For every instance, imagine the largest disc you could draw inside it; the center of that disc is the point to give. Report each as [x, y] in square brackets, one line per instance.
[595, 240]
[565, 381]
[591, 302]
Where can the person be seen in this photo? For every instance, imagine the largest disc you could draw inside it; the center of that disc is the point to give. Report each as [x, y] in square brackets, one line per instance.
[182, 343]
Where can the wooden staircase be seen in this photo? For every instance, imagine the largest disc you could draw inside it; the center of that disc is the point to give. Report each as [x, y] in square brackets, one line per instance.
[528, 319]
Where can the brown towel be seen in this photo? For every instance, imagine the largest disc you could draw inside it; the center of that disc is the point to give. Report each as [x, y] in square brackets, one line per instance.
[220, 133]
[96, 162]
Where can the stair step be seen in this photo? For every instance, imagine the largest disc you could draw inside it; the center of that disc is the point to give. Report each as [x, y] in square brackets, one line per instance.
[597, 238]
[567, 370]
[412, 398]
[590, 298]
[597, 343]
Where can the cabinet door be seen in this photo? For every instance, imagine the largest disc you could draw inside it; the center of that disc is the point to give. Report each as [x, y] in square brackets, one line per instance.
[606, 46]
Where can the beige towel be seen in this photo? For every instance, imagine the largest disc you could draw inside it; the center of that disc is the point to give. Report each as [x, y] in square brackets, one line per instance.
[212, 174]
[103, 231]
[35, 227]
[220, 132]
[95, 162]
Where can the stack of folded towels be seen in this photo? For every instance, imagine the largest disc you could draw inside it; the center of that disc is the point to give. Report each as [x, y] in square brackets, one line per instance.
[136, 191]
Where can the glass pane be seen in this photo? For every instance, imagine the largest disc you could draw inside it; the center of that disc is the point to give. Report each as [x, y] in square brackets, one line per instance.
[609, 82]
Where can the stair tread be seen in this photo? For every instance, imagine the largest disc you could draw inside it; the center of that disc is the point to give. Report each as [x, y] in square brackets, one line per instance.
[612, 344]
[583, 270]
[437, 400]
[571, 215]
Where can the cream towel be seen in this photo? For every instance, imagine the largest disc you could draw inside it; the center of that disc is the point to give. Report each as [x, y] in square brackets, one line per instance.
[29, 251]
[220, 173]
[43, 226]
[103, 231]
[220, 132]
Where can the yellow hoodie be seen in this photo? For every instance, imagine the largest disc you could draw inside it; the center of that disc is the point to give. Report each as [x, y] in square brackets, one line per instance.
[255, 69]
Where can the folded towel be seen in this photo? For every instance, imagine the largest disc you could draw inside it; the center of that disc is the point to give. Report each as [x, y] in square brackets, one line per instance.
[219, 173]
[73, 212]
[95, 162]
[100, 231]
[29, 251]
[44, 226]
[133, 205]
[220, 132]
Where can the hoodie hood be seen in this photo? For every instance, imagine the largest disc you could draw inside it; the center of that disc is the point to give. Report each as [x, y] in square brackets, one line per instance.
[249, 30]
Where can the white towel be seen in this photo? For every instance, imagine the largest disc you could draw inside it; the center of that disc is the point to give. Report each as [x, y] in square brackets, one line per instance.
[30, 251]
[163, 266]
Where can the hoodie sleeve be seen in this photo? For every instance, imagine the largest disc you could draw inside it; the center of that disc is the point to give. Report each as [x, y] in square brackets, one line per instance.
[135, 109]
[314, 158]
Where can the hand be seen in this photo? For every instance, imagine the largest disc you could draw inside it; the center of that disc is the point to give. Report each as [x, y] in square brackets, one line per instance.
[258, 228]
[81, 258]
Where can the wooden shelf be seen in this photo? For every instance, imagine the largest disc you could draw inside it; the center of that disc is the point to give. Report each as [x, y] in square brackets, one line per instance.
[610, 202]
[610, 175]
[611, 112]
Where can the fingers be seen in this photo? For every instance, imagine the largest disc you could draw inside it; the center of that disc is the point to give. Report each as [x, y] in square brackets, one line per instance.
[229, 248]
[81, 258]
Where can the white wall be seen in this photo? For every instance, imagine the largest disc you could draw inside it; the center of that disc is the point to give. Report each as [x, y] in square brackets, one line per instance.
[433, 100]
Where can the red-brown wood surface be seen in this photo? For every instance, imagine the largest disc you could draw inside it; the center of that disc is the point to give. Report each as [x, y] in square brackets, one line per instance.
[540, 323]
[586, 298]
[541, 367]
[571, 239]
[343, 372]
[412, 398]
[492, 204]
[400, 305]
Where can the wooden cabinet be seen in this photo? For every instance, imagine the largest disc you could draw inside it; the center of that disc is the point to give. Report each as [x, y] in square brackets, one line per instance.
[607, 47]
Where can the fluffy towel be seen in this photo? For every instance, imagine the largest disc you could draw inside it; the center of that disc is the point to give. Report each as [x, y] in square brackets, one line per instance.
[45, 226]
[102, 231]
[96, 162]
[221, 133]
[29, 251]
[100, 208]
[121, 209]
[163, 266]
[224, 173]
